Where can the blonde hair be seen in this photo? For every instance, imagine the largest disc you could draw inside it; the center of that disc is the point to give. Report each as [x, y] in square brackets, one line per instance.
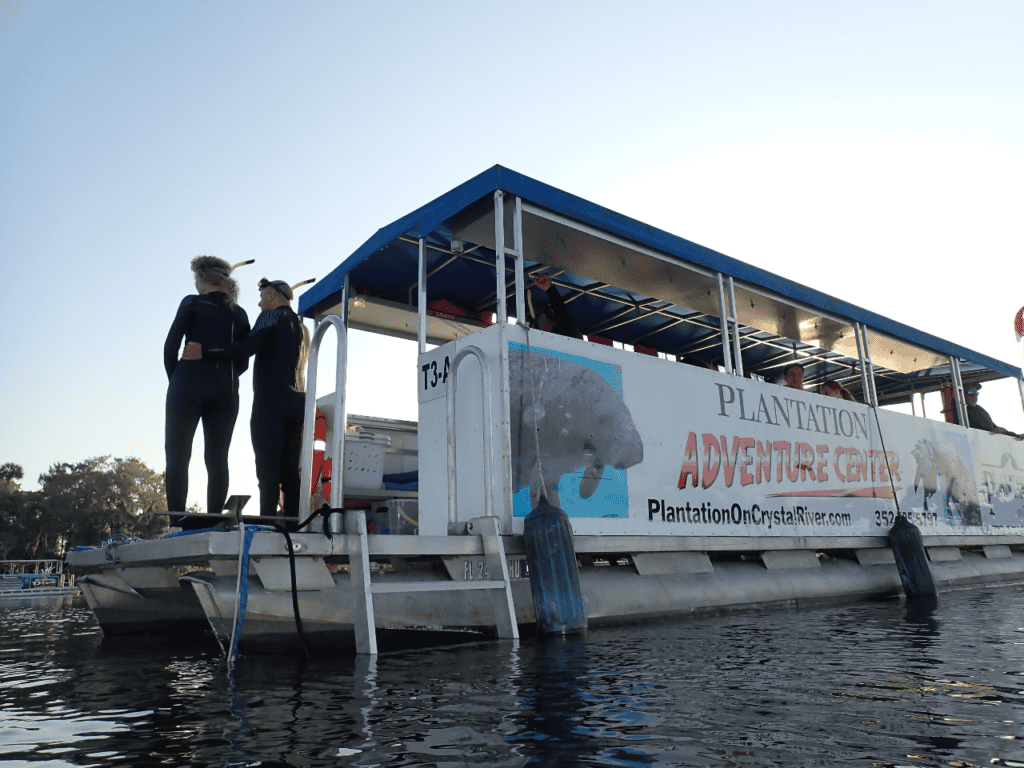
[216, 272]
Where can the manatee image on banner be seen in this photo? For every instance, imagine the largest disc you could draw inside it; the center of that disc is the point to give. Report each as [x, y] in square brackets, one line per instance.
[586, 434]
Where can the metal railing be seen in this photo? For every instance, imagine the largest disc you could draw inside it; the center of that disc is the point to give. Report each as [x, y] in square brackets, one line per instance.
[488, 455]
[336, 447]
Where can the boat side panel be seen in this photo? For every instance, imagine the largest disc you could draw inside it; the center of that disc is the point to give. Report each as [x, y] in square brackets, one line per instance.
[632, 444]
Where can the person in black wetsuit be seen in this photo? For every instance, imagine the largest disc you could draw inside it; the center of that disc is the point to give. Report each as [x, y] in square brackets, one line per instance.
[978, 417]
[553, 316]
[280, 343]
[203, 389]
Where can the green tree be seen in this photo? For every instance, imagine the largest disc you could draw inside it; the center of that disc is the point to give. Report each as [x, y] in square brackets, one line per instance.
[10, 474]
[17, 512]
[88, 502]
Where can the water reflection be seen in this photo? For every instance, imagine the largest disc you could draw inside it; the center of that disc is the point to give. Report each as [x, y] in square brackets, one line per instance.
[881, 684]
[920, 613]
[553, 686]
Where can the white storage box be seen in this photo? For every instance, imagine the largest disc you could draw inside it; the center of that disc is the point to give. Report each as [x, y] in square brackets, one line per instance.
[364, 461]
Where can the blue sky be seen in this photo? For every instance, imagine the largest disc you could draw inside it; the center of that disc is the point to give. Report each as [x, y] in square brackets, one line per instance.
[874, 150]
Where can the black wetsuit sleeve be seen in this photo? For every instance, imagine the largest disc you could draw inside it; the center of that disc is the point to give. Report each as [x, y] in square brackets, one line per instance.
[172, 344]
[563, 320]
[240, 351]
[241, 334]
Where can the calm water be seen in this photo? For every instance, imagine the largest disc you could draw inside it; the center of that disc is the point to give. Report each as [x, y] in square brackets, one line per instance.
[863, 685]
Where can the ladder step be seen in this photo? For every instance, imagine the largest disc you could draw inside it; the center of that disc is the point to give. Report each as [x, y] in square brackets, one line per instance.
[435, 586]
[363, 589]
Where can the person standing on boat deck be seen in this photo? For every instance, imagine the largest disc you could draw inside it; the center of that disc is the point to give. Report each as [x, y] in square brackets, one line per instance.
[977, 417]
[280, 342]
[554, 316]
[794, 376]
[832, 388]
[204, 390]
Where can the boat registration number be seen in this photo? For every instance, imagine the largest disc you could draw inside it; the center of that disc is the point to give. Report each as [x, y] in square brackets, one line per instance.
[434, 370]
[475, 568]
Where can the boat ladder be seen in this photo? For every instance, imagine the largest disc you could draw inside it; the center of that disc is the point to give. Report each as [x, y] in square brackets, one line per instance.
[363, 589]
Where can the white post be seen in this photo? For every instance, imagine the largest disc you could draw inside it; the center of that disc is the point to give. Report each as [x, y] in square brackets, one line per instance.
[517, 235]
[363, 620]
[501, 311]
[867, 376]
[723, 320]
[421, 296]
[502, 318]
[958, 391]
[734, 318]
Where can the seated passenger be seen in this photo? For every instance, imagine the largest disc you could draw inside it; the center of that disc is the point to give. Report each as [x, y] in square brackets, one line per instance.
[833, 388]
[553, 316]
[793, 376]
[978, 418]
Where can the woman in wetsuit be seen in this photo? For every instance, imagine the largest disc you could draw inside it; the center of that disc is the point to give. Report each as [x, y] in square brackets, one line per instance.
[203, 389]
[280, 343]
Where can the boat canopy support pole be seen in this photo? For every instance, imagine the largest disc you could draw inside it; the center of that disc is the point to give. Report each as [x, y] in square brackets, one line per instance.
[723, 321]
[421, 296]
[734, 320]
[500, 251]
[501, 310]
[860, 361]
[517, 235]
[958, 391]
[867, 376]
[871, 398]
[336, 448]
[488, 432]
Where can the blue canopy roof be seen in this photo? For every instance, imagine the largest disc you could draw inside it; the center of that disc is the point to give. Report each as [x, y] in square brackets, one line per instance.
[634, 283]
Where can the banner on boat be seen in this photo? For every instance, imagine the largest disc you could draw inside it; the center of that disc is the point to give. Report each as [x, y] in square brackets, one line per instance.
[630, 444]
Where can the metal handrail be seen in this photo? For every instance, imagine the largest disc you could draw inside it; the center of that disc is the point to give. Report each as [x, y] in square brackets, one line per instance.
[485, 381]
[337, 444]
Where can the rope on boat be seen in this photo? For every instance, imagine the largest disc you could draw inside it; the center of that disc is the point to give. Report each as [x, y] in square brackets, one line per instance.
[247, 533]
[117, 538]
[906, 543]
[295, 592]
[323, 512]
[242, 592]
[124, 538]
[107, 546]
[176, 534]
[888, 467]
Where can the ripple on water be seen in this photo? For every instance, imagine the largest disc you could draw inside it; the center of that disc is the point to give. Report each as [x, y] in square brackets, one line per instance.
[867, 684]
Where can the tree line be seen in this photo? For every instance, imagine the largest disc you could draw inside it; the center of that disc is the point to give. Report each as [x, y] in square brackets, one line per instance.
[79, 504]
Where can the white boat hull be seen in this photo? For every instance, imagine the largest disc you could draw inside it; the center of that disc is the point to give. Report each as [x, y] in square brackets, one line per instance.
[177, 599]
